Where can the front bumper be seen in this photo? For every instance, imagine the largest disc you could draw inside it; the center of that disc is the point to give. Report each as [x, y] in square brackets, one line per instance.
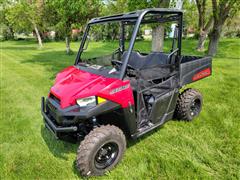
[59, 120]
[50, 125]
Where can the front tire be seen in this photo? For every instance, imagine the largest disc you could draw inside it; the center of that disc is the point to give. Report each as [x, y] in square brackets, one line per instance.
[189, 105]
[100, 150]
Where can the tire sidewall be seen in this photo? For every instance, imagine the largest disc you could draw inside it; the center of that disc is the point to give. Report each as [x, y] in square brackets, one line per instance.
[98, 145]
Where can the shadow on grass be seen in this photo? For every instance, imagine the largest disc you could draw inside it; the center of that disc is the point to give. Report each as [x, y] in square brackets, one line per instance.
[19, 48]
[133, 142]
[53, 61]
[21, 42]
[57, 147]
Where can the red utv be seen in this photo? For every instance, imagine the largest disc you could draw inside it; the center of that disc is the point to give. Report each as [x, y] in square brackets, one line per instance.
[104, 99]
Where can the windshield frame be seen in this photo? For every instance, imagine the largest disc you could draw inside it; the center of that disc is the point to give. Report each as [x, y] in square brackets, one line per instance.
[136, 18]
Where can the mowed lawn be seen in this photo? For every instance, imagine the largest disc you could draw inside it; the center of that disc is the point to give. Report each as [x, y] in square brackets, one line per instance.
[208, 147]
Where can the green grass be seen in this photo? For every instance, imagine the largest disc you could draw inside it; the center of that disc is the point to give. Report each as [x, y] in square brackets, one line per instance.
[207, 148]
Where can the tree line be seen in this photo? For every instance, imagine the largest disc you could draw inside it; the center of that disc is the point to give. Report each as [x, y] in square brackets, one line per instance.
[207, 18]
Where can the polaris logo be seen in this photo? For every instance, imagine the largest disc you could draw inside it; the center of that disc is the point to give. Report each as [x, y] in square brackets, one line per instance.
[202, 74]
[119, 89]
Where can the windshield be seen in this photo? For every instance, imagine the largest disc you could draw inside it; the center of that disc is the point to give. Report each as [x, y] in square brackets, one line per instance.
[154, 41]
[104, 46]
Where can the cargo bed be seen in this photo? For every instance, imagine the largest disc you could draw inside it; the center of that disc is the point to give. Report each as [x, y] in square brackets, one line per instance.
[193, 68]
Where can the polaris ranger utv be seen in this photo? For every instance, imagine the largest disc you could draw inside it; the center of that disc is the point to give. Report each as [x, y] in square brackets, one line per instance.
[128, 93]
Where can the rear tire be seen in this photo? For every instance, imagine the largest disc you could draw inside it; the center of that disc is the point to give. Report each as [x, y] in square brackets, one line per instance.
[100, 150]
[189, 105]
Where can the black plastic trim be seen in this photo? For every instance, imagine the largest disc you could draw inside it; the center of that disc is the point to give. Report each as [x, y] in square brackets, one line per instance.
[50, 125]
[165, 118]
[81, 113]
[84, 112]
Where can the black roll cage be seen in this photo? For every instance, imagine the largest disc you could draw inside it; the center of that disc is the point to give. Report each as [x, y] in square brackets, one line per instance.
[136, 17]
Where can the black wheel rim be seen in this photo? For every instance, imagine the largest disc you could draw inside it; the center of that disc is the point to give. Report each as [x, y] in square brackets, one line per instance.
[195, 107]
[106, 155]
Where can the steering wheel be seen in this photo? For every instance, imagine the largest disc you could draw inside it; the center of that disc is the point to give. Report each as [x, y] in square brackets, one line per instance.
[119, 63]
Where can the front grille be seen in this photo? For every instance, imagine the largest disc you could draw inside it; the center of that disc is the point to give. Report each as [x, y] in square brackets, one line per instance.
[55, 98]
[51, 110]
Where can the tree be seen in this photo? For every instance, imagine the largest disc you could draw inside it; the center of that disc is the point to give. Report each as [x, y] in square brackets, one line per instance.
[157, 31]
[7, 29]
[189, 18]
[110, 31]
[71, 13]
[222, 10]
[114, 7]
[232, 26]
[25, 16]
[204, 23]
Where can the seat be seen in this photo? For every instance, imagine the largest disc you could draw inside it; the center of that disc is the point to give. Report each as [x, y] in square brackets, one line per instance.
[151, 67]
[136, 60]
[139, 61]
[154, 59]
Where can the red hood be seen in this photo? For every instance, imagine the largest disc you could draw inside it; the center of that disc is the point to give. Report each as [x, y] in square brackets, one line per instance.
[72, 84]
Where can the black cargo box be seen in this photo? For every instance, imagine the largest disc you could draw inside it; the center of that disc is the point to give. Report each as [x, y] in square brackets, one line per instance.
[193, 68]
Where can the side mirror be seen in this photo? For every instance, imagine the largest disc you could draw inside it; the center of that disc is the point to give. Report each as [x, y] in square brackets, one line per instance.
[86, 43]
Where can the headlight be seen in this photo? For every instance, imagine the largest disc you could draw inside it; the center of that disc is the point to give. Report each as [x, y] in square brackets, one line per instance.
[89, 101]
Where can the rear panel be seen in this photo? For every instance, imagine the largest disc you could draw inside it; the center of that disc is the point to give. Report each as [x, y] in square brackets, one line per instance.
[194, 68]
